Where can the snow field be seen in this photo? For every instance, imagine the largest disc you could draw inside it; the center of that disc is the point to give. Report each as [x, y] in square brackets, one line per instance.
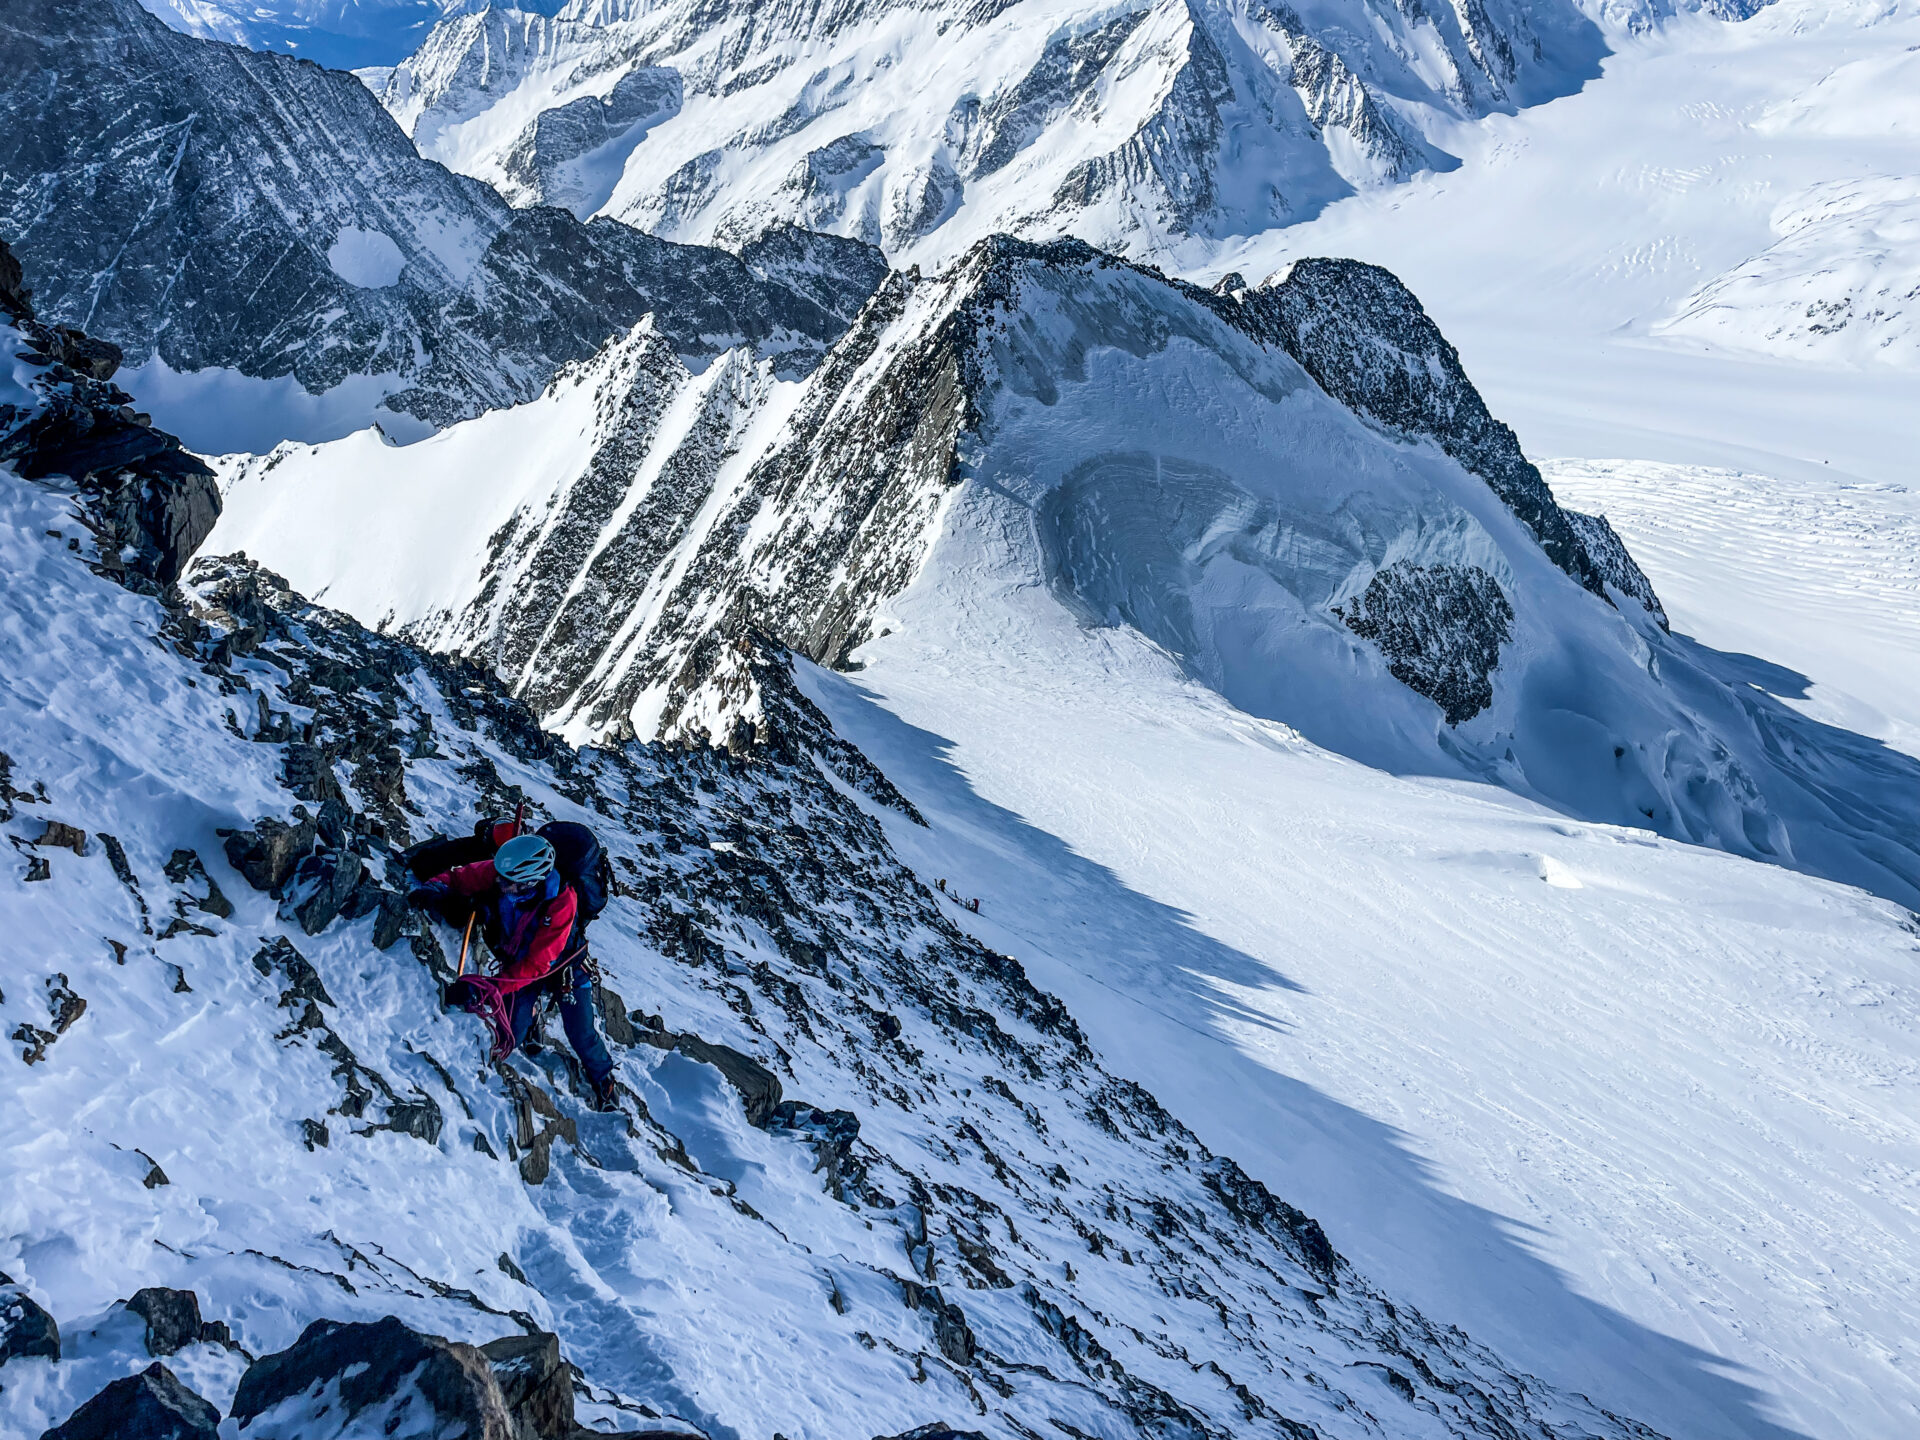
[1641, 1114]
[1562, 253]
[1820, 580]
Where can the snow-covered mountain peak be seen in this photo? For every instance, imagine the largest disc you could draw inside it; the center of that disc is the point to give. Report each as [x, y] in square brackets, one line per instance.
[924, 127]
[276, 259]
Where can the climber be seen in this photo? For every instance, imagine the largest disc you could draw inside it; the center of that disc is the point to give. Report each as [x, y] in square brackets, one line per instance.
[526, 912]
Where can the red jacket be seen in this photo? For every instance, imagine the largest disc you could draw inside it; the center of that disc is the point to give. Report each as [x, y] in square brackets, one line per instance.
[537, 943]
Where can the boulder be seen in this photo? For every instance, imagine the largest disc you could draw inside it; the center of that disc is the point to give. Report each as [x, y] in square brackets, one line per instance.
[391, 916]
[172, 1316]
[66, 837]
[96, 359]
[391, 919]
[267, 854]
[381, 1378]
[759, 1087]
[613, 1016]
[535, 1382]
[184, 868]
[152, 1405]
[419, 1118]
[25, 1329]
[322, 885]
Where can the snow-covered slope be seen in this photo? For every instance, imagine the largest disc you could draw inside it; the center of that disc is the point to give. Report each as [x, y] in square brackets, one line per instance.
[1292, 489]
[1703, 258]
[227, 1072]
[1644, 1113]
[1842, 283]
[1817, 579]
[276, 260]
[924, 127]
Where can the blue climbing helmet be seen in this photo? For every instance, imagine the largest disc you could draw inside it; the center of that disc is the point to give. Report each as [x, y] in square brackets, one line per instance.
[523, 862]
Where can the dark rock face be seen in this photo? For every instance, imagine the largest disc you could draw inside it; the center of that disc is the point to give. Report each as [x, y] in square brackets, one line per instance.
[1012, 119]
[322, 886]
[25, 1329]
[267, 854]
[1441, 628]
[1618, 569]
[374, 1378]
[1367, 342]
[152, 1405]
[184, 867]
[535, 1384]
[951, 1334]
[172, 1316]
[175, 158]
[150, 504]
[835, 273]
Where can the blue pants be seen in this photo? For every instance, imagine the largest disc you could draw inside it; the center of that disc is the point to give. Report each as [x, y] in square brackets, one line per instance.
[576, 1013]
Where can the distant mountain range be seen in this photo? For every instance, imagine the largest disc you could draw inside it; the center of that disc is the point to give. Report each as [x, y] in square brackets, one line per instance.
[922, 128]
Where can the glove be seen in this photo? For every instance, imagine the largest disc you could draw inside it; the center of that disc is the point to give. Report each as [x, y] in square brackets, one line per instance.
[426, 897]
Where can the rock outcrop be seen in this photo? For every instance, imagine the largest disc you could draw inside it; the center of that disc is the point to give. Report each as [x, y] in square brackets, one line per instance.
[152, 1405]
[151, 503]
[26, 1329]
[373, 1379]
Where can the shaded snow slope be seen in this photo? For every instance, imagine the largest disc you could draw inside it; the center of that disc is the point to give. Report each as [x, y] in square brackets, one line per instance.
[1645, 1112]
[257, 1103]
[258, 230]
[924, 127]
[1148, 456]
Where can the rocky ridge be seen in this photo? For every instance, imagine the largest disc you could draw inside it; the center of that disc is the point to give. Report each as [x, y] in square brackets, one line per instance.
[150, 502]
[596, 602]
[1292, 488]
[971, 1220]
[214, 208]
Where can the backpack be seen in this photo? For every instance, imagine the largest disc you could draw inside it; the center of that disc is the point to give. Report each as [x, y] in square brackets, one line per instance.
[582, 863]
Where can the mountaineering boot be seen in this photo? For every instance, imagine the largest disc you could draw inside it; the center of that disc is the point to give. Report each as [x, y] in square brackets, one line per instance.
[606, 1095]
